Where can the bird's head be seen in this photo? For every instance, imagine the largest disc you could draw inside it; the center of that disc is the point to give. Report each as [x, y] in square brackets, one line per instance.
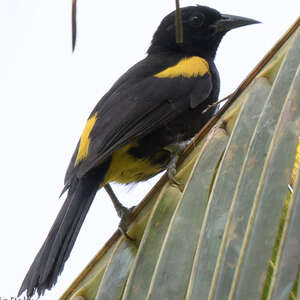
[203, 29]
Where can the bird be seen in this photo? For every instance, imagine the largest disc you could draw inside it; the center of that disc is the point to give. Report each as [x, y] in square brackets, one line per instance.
[138, 128]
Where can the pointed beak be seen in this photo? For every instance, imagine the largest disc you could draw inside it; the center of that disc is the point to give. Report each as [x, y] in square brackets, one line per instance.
[228, 22]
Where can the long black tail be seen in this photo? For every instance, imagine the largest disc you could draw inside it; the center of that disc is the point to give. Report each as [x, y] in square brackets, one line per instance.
[50, 260]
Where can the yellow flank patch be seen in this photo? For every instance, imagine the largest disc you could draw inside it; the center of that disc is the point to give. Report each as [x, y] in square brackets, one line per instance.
[187, 67]
[124, 168]
[85, 139]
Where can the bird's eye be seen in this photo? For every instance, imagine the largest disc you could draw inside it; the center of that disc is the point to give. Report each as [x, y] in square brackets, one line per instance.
[197, 21]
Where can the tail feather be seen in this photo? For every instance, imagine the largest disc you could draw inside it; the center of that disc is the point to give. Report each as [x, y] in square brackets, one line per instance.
[50, 260]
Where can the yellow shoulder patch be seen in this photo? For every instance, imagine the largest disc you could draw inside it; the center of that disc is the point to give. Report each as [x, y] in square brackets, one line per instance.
[85, 139]
[187, 67]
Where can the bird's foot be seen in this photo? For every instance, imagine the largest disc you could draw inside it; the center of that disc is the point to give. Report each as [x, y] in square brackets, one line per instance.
[175, 150]
[124, 213]
[171, 169]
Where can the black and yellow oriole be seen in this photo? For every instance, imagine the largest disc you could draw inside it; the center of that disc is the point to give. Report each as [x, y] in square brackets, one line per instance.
[133, 133]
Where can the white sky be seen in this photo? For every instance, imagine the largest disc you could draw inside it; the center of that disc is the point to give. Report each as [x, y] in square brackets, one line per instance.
[47, 93]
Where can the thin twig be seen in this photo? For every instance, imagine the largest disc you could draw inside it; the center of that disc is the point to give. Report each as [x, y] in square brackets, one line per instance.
[178, 22]
[216, 103]
[74, 29]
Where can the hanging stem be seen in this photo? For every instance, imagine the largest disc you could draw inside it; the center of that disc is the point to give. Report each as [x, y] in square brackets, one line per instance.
[74, 6]
[178, 22]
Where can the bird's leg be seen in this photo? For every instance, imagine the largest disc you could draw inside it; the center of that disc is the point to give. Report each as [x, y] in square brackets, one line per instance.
[122, 211]
[175, 150]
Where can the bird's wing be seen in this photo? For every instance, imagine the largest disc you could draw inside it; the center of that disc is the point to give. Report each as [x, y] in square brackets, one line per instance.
[139, 102]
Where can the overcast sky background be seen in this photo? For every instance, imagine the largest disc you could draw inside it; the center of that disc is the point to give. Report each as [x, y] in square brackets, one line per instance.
[47, 93]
